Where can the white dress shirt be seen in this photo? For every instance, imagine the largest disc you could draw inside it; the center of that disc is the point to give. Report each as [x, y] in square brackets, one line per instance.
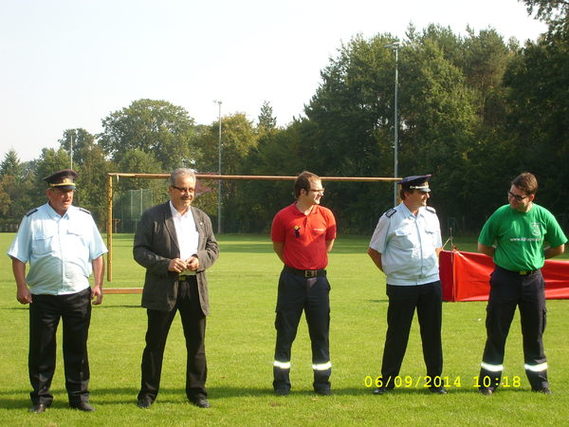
[407, 244]
[186, 233]
[59, 249]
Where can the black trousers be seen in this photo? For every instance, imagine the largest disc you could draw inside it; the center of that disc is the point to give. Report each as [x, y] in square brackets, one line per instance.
[193, 323]
[508, 291]
[296, 294]
[402, 303]
[45, 313]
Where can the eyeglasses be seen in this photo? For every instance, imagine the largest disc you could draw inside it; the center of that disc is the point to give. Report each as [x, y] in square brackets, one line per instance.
[184, 190]
[316, 190]
[518, 197]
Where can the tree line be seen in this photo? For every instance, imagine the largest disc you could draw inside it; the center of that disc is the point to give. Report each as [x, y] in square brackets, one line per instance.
[474, 110]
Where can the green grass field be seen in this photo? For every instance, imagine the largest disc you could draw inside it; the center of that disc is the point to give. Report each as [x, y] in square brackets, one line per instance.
[240, 342]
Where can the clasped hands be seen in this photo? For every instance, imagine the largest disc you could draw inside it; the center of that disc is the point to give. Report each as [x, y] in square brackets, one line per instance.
[178, 265]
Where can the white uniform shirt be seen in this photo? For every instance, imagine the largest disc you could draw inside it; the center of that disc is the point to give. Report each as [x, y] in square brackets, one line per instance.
[59, 249]
[186, 233]
[407, 245]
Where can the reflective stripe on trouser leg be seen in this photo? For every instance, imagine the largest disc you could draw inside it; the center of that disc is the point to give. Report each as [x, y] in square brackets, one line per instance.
[281, 365]
[490, 375]
[491, 368]
[322, 366]
[322, 372]
[537, 375]
[281, 375]
[536, 368]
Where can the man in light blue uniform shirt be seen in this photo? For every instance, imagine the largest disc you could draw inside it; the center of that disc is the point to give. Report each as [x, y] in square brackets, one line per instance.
[406, 246]
[63, 247]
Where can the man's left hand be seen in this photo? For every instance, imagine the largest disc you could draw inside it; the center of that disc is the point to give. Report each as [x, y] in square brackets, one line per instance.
[193, 263]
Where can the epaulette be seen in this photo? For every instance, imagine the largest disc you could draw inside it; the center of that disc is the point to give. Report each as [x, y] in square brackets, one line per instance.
[431, 209]
[85, 210]
[31, 211]
[390, 213]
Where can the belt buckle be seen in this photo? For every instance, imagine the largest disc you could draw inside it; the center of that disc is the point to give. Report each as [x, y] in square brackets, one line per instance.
[308, 274]
[524, 273]
[183, 278]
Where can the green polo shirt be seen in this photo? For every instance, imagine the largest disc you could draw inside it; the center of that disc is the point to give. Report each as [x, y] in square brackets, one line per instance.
[520, 237]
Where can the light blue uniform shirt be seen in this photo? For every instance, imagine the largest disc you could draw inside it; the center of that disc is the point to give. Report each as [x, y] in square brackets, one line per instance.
[58, 248]
[407, 245]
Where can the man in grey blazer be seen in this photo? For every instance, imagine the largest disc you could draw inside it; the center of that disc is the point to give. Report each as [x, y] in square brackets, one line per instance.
[176, 244]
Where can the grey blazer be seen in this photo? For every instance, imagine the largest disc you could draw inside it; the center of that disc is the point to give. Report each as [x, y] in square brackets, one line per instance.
[155, 244]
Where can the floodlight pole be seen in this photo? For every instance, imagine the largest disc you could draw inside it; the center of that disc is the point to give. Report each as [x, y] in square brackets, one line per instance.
[395, 47]
[219, 170]
[71, 152]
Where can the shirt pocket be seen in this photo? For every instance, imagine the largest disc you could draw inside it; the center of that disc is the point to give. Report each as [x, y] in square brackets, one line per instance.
[403, 238]
[42, 242]
[75, 237]
[431, 235]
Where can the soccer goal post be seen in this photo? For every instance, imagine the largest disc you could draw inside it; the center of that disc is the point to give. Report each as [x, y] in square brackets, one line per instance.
[116, 175]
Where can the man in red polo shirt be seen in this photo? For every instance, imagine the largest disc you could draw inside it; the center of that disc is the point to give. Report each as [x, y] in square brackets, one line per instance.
[303, 234]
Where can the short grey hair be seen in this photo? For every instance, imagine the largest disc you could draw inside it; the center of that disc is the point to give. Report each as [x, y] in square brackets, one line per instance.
[181, 172]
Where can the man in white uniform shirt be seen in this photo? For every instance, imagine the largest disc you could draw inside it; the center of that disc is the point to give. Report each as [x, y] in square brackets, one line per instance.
[63, 247]
[406, 246]
[175, 243]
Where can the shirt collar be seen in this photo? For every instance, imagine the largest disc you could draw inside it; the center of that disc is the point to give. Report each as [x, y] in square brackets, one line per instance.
[52, 213]
[409, 214]
[175, 211]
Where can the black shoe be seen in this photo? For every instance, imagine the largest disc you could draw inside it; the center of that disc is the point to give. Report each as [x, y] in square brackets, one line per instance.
[282, 391]
[543, 390]
[323, 391]
[82, 406]
[199, 401]
[38, 408]
[381, 390]
[487, 391]
[438, 390]
[144, 403]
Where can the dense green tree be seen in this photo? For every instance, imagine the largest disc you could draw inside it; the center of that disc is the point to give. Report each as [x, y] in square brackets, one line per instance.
[238, 138]
[138, 161]
[92, 183]
[16, 190]
[539, 100]
[485, 62]
[80, 141]
[11, 165]
[440, 120]
[266, 122]
[282, 152]
[6, 182]
[157, 127]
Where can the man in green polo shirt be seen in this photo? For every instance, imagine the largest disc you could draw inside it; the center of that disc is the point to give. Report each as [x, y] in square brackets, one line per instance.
[519, 236]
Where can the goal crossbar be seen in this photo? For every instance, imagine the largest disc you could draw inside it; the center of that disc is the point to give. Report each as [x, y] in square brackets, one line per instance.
[118, 175]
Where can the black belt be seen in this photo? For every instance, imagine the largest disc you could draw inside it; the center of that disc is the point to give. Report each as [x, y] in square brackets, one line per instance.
[185, 277]
[519, 273]
[306, 273]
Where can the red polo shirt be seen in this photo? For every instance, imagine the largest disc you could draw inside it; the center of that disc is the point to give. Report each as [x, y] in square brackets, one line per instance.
[304, 236]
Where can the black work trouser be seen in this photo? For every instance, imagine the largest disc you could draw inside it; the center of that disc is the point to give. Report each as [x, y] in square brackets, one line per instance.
[45, 312]
[295, 294]
[193, 323]
[403, 300]
[508, 291]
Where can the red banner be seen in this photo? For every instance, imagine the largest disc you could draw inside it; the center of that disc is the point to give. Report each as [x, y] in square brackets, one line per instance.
[465, 276]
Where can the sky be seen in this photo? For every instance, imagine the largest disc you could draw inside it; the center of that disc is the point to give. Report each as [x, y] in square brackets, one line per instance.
[68, 64]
